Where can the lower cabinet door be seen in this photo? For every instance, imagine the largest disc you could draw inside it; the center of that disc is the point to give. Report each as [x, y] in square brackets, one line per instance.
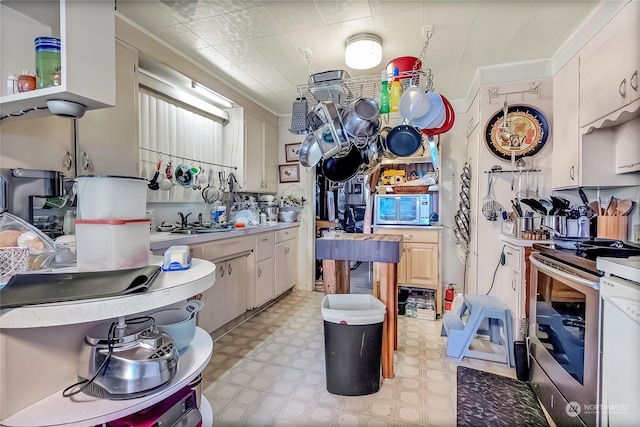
[236, 287]
[265, 278]
[422, 264]
[213, 314]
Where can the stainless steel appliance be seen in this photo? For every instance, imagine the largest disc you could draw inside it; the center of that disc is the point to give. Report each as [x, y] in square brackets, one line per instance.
[18, 187]
[402, 209]
[620, 291]
[126, 359]
[565, 327]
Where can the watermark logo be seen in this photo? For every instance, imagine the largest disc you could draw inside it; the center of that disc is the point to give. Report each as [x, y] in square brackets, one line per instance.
[573, 409]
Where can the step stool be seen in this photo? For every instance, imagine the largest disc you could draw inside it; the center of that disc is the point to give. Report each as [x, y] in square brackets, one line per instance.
[481, 310]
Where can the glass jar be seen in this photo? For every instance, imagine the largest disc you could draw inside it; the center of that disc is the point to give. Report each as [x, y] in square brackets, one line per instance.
[26, 82]
[48, 66]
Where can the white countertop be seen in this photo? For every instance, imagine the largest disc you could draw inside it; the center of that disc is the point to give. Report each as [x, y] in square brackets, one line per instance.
[168, 288]
[162, 240]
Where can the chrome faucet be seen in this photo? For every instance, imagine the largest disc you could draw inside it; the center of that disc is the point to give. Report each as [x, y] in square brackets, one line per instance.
[183, 220]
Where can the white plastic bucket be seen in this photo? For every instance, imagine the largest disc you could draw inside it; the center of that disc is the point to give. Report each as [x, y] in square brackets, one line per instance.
[353, 309]
[111, 197]
[112, 244]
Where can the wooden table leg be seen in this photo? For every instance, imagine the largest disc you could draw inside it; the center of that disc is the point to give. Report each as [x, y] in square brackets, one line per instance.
[329, 276]
[336, 275]
[389, 296]
[343, 277]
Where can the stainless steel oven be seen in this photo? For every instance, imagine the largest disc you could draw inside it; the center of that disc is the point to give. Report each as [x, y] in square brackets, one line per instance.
[564, 334]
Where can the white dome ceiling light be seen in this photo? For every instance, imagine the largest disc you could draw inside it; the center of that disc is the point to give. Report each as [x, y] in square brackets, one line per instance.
[363, 51]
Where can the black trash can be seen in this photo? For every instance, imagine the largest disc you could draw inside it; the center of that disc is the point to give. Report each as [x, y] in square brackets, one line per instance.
[352, 343]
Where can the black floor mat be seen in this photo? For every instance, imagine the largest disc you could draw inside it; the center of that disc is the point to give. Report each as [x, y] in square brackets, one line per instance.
[486, 399]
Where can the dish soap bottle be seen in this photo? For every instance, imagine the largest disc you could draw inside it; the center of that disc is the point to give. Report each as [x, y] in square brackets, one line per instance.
[396, 91]
[384, 94]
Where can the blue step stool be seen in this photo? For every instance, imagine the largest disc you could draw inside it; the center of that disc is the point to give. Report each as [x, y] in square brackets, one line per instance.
[482, 311]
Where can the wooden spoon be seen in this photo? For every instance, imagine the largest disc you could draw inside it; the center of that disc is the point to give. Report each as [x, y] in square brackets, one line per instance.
[595, 206]
[611, 208]
[624, 207]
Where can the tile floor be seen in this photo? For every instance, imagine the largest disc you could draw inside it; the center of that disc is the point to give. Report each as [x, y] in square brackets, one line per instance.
[270, 371]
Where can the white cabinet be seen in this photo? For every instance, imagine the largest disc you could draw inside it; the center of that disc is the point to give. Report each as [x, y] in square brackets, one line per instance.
[261, 155]
[286, 273]
[87, 33]
[236, 287]
[108, 138]
[508, 285]
[474, 114]
[213, 314]
[227, 298]
[265, 268]
[420, 264]
[609, 66]
[566, 135]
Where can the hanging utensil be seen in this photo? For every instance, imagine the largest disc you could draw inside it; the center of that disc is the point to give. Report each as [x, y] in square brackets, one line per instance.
[153, 184]
[490, 207]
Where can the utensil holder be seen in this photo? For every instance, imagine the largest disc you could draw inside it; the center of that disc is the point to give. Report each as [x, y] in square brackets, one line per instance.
[613, 227]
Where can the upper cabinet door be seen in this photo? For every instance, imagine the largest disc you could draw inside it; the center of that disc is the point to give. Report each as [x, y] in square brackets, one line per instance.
[87, 33]
[609, 66]
[108, 138]
[270, 158]
[565, 160]
[254, 153]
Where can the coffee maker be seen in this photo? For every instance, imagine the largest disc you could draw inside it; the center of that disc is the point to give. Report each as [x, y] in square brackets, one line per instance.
[19, 187]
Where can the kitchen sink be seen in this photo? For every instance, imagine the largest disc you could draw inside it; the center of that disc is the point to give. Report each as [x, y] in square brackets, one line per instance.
[190, 231]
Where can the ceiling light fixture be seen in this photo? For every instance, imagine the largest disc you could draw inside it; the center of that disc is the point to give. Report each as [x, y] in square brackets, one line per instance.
[213, 96]
[363, 51]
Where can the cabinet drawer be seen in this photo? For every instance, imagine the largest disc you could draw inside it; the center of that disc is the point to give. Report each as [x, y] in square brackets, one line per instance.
[264, 246]
[227, 247]
[410, 235]
[288, 234]
[512, 257]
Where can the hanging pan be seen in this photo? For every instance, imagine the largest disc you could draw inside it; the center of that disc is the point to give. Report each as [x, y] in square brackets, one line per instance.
[339, 169]
[403, 140]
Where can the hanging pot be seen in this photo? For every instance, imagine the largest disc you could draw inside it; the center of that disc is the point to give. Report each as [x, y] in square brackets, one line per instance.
[361, 120]
[404, 140]
[382, 137]
[339, 169]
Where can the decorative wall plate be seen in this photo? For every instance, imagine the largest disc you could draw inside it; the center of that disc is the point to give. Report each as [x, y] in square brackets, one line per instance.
[528, 130]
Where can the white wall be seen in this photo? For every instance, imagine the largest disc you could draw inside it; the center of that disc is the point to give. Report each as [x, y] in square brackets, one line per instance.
[306, 240]
[489, 245]
[452, 153]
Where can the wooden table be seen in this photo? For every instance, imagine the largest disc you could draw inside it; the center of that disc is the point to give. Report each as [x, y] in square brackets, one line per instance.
[379, 248]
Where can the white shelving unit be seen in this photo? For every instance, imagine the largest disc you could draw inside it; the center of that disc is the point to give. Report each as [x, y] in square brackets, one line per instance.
[87, 33]
[82, 410]
[41, 343]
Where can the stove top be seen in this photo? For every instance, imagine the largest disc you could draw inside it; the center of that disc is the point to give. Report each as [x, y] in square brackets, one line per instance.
[586, 253]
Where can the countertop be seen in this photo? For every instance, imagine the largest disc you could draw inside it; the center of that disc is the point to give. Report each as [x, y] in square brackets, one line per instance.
[168, 288]
[162, 240]
[418, 227]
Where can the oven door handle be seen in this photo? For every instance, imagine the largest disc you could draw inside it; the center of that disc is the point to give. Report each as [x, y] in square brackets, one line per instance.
[568, 276]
